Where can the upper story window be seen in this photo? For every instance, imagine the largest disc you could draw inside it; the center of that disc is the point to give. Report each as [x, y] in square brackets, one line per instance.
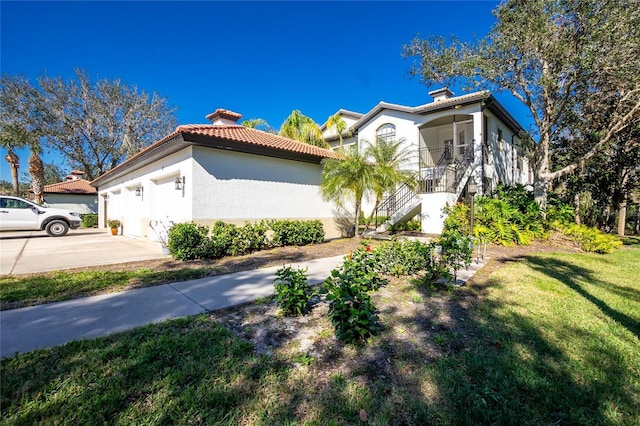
[386, 132]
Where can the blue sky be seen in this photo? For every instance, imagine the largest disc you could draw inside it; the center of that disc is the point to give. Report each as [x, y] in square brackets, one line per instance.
[260, 59]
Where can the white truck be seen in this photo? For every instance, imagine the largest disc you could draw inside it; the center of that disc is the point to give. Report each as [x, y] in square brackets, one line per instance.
[18, 214]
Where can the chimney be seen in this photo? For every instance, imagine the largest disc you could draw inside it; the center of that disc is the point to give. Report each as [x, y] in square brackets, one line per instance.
[74, 175]
[441, 94]
[222, 117]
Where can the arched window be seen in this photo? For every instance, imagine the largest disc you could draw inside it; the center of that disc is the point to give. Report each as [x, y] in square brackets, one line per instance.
[386, 132]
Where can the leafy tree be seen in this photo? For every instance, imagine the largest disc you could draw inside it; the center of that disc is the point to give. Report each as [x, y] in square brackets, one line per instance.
[557, 57]
[302, 128]
[340, 125]
[347, 177]
[387, 158]
[17, 128]
[96, 126]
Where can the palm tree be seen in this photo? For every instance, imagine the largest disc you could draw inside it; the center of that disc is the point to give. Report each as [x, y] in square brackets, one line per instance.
[36, 170]
[338, 122]
[302, 128]
[387, 157]
[349, 176]
[258, 123]
[14, 136]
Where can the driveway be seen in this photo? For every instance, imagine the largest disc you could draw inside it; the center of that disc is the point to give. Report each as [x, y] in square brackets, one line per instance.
[28, 252]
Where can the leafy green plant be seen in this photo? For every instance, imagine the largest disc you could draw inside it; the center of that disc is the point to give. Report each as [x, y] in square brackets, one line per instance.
[222, 237]
[89, 220]
[293, 293]
[404, 257]
[351, 309]
[296, 232]
[455, 252]
[412, 225]
[592, 239]
[189, 241]
[248, 238]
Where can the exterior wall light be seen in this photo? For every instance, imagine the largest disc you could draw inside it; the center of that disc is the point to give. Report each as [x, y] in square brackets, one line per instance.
[139, 191]
[179, 182]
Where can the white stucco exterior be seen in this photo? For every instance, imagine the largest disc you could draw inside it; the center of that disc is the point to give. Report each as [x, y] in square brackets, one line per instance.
[214, 184]
[473, 133]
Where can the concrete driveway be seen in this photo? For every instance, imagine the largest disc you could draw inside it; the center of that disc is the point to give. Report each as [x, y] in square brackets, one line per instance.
[28, 252]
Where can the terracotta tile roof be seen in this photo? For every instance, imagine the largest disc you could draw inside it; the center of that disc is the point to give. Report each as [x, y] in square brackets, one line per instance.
[256, 137]
[74, 186]
[225, 114]
[232, 133]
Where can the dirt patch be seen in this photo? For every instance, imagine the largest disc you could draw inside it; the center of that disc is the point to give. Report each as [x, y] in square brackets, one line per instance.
[416, 319]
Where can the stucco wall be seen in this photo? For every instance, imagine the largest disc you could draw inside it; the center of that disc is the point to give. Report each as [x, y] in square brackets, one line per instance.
[236, 187]
[158, 199]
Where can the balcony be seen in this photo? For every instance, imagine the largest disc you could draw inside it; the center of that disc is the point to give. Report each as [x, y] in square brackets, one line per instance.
[442, 168]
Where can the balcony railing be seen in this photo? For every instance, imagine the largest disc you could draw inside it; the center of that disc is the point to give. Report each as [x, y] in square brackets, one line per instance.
[442, 168]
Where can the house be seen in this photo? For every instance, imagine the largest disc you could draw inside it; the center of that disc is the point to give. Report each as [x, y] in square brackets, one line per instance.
[215, 171]
[452, 141]
[73, 193]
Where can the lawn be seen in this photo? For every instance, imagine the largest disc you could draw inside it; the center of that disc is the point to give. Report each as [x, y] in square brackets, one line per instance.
[553, 338]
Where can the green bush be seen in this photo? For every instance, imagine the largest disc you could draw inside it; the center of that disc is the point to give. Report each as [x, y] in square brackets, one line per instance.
[222, 237]
[412, 225]
[456, 251]
[89, 220]
[296, 232]
[592, 239]
[249, 238]
[351, 310]
[189, 241]
[292, 291]
[404, 257]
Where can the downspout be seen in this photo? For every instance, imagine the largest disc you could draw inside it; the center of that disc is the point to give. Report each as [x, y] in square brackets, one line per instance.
[513, 161]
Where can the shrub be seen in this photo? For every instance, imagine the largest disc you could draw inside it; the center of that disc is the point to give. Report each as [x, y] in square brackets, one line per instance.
[351, 309]
[189, 241]
[296, 232]
[292, 291]
[249, 238]
[223, 236]
[456, 251]
[412, 225]
[404, 257]
[592, 239]
[89, 220]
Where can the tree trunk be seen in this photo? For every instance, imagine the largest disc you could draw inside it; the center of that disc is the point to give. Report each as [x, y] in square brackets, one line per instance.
[541, 179]
[36, 170]
[622, 216]
[357, 219]
[636, 228]
[14, 163]
[576, 208]
[375, 207]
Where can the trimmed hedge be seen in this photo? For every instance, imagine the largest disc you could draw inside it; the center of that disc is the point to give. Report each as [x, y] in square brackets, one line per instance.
[189, 241]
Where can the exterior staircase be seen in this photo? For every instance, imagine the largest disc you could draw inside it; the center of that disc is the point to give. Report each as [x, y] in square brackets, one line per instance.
[405, 203]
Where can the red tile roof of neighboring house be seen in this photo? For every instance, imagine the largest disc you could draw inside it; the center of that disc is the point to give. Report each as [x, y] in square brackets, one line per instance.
[72, 186]
[251, 136]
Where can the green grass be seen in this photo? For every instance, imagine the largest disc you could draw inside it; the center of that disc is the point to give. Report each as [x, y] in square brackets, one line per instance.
[551, 339]
[21, 291]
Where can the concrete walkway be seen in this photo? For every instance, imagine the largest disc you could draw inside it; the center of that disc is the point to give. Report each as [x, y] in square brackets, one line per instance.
[42, 326]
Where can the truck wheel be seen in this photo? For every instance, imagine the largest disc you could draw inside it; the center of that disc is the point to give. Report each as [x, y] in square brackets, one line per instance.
[57, 228]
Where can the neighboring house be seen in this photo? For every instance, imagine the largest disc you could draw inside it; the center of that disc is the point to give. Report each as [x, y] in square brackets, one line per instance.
[216, 171]
[451, 140]
[74, 193]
